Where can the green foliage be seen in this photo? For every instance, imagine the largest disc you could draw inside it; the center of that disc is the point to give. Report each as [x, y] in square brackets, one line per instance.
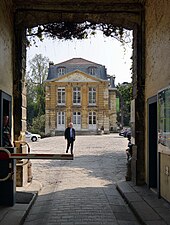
[124, 92]
[38, 70]
[80, 31]
[38, 125]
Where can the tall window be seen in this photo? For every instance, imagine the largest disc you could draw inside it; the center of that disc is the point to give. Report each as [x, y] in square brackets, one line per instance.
[61, 118]
[76, 118]
[92, 70]
[61, 95]
[61, 71]
[92, 96]
[92, 118]
[76, 96]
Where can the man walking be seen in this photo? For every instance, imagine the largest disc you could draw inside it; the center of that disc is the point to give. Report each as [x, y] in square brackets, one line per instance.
[70, 136]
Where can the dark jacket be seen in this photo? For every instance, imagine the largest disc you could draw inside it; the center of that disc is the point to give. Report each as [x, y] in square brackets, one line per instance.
[67, 133]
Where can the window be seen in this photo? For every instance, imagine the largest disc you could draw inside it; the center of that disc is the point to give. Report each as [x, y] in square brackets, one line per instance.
[61, 118]
[61, 96]
[92, 70]
[92, 96]
[61, 71]
[76, 95]
[164, 120]
[76, 118]
[92, 118]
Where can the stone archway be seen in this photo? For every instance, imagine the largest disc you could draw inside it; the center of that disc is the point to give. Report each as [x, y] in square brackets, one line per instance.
[128, 15]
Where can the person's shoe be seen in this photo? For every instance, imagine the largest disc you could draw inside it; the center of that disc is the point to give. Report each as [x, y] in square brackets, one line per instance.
[66, 151]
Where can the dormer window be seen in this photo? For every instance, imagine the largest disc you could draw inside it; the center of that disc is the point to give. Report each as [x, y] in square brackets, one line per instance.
[92, 70]
[61, 71]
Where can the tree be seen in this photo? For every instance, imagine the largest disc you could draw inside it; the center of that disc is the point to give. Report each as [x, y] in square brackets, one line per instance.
[38, 70]
[38, 125]
[124, 93]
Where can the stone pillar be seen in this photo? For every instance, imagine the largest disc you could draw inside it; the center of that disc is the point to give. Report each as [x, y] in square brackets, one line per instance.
[112, 110]
[84, 111]
[138, 95]
[19, 101]
[68, 104]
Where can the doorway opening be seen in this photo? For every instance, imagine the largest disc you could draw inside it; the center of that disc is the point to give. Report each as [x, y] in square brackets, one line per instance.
[152, 143]
[100, 49]
[5, 110]
[111, 15]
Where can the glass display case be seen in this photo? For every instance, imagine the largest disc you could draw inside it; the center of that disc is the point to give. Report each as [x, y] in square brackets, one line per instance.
[164, 120]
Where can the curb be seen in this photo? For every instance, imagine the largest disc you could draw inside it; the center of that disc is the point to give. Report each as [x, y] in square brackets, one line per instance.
[32, 188]
[144, 208]
[29, 207]
[130, 205]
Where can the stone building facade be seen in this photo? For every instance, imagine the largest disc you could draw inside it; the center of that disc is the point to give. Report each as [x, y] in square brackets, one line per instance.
[80, 91]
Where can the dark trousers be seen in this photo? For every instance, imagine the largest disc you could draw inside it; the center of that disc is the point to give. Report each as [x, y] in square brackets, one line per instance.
[70, 142]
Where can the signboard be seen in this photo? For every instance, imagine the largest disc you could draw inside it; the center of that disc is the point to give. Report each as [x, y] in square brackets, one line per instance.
[164, 120]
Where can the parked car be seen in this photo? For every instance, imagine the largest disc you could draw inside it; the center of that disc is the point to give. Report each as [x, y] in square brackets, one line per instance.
[125, 132]
[32, 137]
[122, 132]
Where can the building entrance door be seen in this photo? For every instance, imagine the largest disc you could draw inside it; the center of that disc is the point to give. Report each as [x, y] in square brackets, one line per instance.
[77, 120]
[152, 143]
[61, 121]
[5, 110]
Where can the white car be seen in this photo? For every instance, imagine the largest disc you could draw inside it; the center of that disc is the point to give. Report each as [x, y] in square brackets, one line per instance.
[32, 137]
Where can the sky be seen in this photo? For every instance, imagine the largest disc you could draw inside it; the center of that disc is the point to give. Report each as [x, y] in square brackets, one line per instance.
[105, 51]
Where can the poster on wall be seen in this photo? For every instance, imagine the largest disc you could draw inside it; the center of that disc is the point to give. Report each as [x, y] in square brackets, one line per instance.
[164, 120]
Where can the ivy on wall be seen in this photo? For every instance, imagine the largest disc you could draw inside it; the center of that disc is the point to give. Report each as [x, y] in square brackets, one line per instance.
[70, 31]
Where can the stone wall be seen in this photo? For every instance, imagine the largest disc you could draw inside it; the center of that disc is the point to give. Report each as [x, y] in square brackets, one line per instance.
[157, 20]
[157, 66]
[6, 47]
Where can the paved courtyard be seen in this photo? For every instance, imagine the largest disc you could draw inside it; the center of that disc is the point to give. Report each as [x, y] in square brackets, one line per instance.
[81, 191]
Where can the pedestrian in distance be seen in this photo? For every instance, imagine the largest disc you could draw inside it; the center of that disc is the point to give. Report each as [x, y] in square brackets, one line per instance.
[70, 135]
[6, 132]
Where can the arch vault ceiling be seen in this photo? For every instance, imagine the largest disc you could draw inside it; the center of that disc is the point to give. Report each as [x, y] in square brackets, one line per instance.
[31, 13]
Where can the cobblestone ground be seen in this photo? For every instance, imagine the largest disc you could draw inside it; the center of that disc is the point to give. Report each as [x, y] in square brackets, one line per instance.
[81, 191]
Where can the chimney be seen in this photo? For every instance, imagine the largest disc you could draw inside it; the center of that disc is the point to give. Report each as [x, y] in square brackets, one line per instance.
[51, 63]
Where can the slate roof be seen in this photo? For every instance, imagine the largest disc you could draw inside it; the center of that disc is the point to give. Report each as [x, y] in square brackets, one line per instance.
[75, 64]
[67, 75]
[77, 61]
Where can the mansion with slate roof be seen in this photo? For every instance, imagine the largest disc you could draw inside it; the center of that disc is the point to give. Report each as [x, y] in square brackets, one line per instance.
[79, 91]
